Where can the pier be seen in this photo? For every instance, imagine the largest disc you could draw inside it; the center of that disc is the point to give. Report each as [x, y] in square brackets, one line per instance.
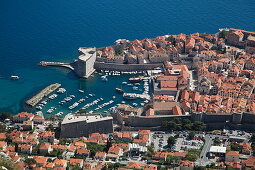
[139, 96]
[57, 64]
[43, 93]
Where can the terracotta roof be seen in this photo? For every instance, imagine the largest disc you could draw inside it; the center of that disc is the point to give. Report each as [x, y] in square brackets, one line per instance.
[75, 161]
[45, 146]
[177, 110]
[60, 162]
[232, 153]
[2, 144]
[46, 134]
[114, 150]
[40, 160]
[2, 136]
[24, 115]
[100, 154]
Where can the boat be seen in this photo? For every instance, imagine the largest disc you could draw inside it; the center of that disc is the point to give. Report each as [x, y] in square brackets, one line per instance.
[130, 96]
[14, 77]
[113, 97]
[61, 90]
[135, 88]
[135, 79]
[81, 91]
[104, 79]
[119, 90]
[81, 100]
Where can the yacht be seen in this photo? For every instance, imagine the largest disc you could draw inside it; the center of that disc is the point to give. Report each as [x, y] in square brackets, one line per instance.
[14, 77]
[61, 90]
[119, 90]
[81, 91]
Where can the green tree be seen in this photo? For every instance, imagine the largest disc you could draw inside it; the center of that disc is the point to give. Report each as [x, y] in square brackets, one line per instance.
[235, 147]
[2, 128]
[223, 34]
[192, 155]
[30, 161]
[164, 125]
[216, 142]
[5, 115]
[94, 148]
[192, 134]
[178, 120]
[171, 141]
[252, 139]
[199, 126]
[8, 164]
[199, 168]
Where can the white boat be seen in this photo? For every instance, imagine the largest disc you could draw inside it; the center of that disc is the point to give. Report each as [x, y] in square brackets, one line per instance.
[81, 91]
[61, 90]
[14, 77]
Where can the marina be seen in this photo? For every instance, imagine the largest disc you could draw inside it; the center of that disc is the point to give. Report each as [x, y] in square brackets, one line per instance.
[99, 100]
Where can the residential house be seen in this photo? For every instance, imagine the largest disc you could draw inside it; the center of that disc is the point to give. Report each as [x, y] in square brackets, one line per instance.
[76, 162]
[22, 116]
[45, 148]
[47, 136]
[25, 148]
[232, 156]
[60, 163]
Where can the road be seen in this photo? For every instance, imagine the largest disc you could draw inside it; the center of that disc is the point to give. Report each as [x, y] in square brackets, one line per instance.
[203, 160]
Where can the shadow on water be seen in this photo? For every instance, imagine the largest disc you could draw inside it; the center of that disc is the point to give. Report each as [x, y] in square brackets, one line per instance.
[9, 109]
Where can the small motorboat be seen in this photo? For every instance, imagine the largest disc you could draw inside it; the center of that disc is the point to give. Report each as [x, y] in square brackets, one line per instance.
[14, 77]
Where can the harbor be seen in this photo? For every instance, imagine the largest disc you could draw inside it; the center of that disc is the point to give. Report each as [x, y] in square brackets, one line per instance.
[90, 97]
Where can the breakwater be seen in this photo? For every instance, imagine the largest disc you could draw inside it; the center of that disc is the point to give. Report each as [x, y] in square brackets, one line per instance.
[43, 93]
[56, 64]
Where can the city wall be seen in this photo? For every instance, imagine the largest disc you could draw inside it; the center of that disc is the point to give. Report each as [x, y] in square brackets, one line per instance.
[241, 121]
[125, 67]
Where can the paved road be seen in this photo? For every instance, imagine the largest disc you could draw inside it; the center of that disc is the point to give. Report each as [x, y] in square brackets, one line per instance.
[203, 160]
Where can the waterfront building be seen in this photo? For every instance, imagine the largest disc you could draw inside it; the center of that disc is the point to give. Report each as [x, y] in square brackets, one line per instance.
[78, 125]
[85, 63]
[22, 116]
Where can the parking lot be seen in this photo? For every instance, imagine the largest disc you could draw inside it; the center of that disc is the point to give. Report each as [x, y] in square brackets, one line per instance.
[159, 139]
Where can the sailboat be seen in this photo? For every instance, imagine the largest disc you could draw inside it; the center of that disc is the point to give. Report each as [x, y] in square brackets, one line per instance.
[80, 90]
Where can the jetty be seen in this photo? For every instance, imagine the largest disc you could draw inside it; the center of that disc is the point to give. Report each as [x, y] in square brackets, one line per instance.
[43, 93]
[137, 96]
[56, 64]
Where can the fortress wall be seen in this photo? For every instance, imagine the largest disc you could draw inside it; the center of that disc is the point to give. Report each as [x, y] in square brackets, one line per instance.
[125, 67]
[248, 118]
[214, 118]
[140, 121]
[245, 121]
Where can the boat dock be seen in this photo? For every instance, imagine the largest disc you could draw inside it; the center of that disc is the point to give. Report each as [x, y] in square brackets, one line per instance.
[43, 93]
[57, 64]
[139, 96]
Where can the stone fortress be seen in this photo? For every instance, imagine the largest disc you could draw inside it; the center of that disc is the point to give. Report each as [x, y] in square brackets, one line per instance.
[84, 65]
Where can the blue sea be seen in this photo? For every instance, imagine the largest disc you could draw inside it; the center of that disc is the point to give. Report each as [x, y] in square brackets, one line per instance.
[32, 31]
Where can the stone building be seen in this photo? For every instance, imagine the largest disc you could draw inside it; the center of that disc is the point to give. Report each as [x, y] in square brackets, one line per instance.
[75, 126]
[84, 66]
